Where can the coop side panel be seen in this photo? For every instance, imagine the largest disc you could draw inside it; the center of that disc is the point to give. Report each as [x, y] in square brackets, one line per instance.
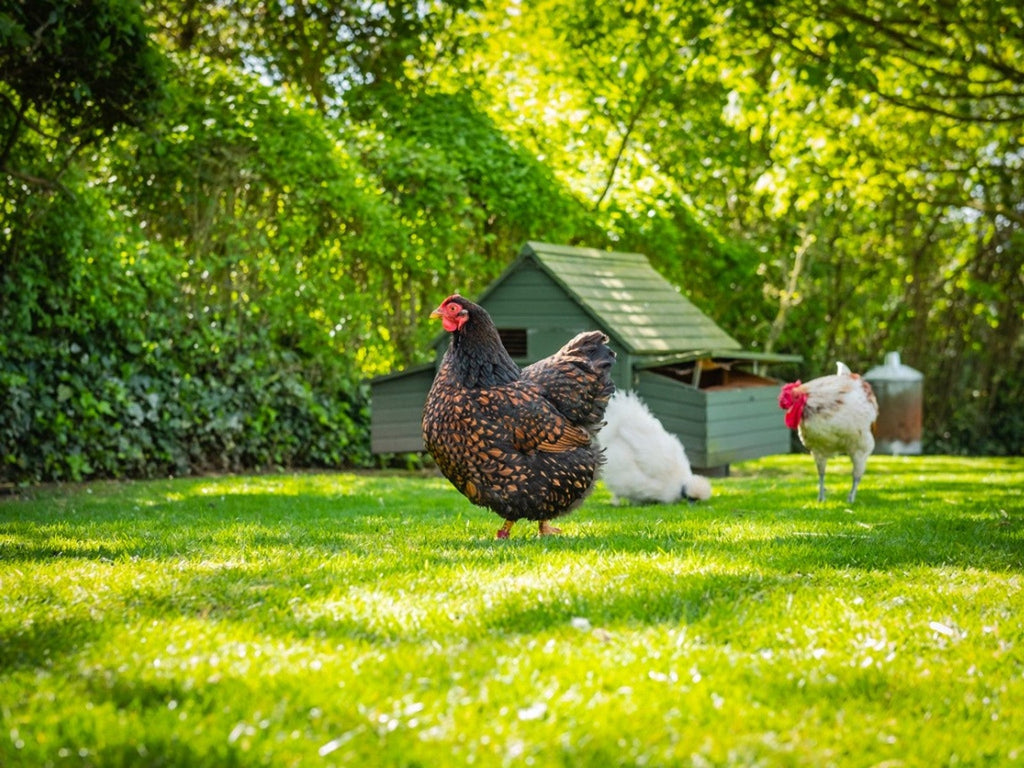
[672, 399]
[745, 424]
[396, 417]
[680, 408]
[717, 426]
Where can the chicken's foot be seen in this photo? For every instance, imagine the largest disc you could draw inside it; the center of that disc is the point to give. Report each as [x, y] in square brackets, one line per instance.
[547, 529]
[504, 530]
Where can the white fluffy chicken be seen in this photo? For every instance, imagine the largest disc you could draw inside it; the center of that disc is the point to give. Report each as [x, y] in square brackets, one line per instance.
[833, 415]
[643, 461]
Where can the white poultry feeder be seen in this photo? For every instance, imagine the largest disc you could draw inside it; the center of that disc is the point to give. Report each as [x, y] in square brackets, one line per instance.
[899, 390]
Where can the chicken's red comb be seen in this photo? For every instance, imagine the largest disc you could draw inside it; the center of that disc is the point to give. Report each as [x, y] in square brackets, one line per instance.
[786, 397]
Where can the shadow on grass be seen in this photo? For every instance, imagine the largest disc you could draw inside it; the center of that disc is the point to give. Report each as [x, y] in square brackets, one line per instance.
[46, 640]
[883, 530]
[252, 558]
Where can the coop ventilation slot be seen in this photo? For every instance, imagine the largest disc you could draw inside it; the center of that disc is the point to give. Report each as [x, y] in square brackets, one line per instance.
[514, 341]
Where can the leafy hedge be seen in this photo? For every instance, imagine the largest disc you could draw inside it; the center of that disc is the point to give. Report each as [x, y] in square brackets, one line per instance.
[130, 350]
[76, 414]
[101, 377]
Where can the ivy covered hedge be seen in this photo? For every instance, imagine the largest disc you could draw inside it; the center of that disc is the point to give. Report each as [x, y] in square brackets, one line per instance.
[179, 322]
[76, 414]
[104, 372]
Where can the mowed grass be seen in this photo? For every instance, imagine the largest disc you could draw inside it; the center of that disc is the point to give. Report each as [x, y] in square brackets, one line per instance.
[372, 619]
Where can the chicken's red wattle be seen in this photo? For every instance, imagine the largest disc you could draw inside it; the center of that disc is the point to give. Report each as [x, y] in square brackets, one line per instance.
[795, 413]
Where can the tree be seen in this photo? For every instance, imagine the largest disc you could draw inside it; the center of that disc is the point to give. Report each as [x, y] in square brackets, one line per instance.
[71, 74]
[844, 156]
[927, 100]
[336, 53]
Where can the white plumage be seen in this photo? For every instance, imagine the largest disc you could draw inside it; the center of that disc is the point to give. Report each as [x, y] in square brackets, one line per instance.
[643, 461]
[833, 415]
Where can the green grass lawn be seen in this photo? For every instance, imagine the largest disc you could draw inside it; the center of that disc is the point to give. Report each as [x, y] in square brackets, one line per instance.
[373, 620]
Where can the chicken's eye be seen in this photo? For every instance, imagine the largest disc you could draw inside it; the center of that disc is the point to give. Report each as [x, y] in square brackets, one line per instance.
[452, 309]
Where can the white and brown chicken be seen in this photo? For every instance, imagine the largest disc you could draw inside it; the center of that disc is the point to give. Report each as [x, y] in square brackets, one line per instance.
[833, 415]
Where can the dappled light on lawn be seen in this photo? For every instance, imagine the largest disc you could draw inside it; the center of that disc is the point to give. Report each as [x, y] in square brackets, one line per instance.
[350, 618]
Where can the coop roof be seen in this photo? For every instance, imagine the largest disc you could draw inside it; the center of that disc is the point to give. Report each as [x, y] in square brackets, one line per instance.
[629, 299]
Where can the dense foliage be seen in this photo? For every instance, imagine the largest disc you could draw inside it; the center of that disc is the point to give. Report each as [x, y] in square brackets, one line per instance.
[217, 221]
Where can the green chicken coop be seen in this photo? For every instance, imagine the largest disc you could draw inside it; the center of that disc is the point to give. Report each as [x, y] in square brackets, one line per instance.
[693, 376]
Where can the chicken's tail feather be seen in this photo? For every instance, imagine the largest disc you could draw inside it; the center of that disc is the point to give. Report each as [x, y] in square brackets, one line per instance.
[592, 345]
[698, 488]
[590, 350]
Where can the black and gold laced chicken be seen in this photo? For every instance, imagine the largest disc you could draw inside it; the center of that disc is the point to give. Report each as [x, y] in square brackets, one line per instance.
[518, 441]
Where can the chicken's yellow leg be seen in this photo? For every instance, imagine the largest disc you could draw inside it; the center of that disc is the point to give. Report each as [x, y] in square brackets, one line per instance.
[504, 530]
